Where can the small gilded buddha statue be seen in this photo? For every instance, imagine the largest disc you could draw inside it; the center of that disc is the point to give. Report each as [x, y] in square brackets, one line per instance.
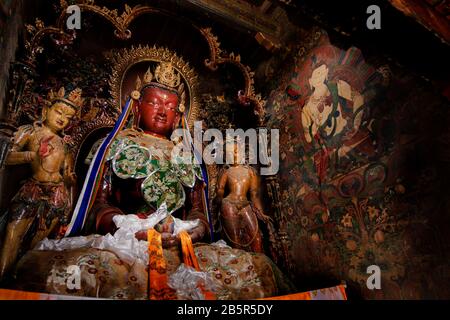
[239, 213]
[43, 203]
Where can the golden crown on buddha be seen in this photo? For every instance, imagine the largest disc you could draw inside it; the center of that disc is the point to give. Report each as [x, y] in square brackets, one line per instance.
[73, 99]
[165, 77]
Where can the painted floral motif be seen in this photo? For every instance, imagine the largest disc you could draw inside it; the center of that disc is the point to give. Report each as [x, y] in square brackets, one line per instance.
[184, 171]
[347, 221]
[391, 263]
[102, 274]
[163, 186]
[133, 162]
[117, 145]
[164, 179]
[238, 274]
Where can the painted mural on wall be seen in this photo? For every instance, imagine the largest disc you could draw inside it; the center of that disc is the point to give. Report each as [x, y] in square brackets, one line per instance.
[354, 182]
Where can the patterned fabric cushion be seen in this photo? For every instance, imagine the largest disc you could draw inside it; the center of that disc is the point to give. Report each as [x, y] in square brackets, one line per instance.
[103, 274]
[237, 273]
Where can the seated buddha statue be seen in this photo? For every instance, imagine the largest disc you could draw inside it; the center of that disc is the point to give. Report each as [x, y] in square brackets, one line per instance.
[141, 157]
[133, 178]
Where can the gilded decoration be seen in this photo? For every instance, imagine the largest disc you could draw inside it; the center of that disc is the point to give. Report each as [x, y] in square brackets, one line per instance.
[219, 56]
[121, 23]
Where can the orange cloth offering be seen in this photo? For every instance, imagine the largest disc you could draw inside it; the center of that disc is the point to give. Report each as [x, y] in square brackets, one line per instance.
[190, 260]
[159, 289]
[157, 272]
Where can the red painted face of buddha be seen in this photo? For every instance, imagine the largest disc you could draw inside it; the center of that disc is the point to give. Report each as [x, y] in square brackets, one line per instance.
[158, 111]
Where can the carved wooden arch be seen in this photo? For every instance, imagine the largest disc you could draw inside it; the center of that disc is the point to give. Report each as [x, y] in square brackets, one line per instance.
[121, 23]
[219, 56]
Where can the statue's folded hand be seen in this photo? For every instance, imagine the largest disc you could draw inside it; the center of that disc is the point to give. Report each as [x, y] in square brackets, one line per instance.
[169, 240]
[197, 233]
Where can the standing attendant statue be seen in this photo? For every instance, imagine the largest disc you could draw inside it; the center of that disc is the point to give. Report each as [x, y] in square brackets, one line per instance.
[43, 203]
[239, 215]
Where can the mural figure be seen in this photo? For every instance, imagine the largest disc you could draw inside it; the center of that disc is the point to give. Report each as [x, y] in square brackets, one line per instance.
[330, 112]
[44, 202]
